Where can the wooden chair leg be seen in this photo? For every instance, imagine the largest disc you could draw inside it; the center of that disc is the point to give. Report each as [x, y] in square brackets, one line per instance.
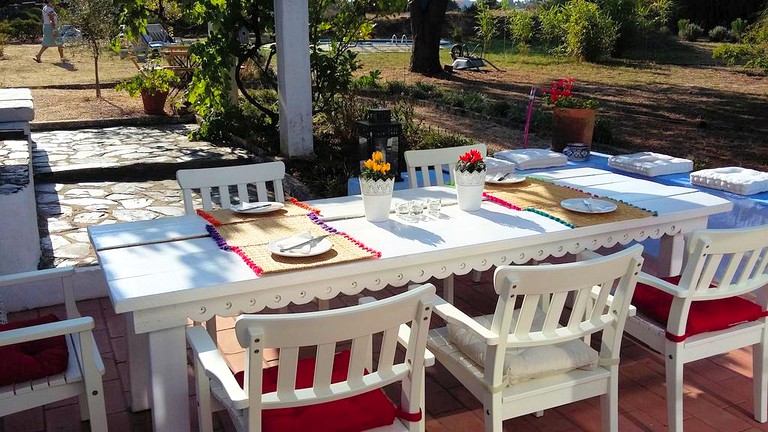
[448, 289]
[759, 379]
[674, 371]
[609, 403]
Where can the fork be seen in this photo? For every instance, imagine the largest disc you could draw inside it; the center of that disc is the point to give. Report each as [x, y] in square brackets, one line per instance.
[588, 204]
[313, 239]
[504, 176]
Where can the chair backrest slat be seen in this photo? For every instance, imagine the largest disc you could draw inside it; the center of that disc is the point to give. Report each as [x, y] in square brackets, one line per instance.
[263, 176]
[388, 348]
[324, 367]
[554, 312]
[436, 160]
[358, 359]
[286, 373]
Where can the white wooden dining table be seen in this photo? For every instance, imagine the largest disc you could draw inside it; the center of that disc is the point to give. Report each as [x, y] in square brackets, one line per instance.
[163, 272]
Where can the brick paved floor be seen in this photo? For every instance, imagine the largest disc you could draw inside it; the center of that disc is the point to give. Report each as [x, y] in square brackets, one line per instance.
[717, 391]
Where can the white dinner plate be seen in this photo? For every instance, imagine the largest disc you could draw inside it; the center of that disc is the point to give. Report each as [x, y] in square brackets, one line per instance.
[257, 207]
[509, 180]
[588, 205]
[315, 248]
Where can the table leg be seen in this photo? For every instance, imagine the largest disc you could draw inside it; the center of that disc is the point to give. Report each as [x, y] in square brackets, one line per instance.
[671, 252]
[170, 389]
[138, 367]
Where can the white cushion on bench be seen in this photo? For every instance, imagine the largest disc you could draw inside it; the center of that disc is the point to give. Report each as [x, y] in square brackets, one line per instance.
[742, 181]
[522, 364]
[495, 166]
[650, 164]
[17, 110]
[526, 159]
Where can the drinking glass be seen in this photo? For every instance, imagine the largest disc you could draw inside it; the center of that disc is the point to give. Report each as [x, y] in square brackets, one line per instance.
[416, 209]
[433, 206]
[402, 210]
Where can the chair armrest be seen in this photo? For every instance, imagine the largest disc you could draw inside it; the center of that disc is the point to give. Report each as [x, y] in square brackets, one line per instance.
[43, 331]
[36, 276]
[451, 314]
[209, 357]
[661, 284]
[404, 335]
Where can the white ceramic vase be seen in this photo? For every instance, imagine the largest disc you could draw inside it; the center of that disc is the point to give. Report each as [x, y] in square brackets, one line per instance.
[377, 198]
[469, 189]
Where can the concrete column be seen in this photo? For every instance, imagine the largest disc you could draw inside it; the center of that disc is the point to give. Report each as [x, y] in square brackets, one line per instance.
[293, 77]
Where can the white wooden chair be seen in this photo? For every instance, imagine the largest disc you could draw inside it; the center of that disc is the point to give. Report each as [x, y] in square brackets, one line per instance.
[82, 376]
[437, 161]
[208, 179]
[337, 380]
[521, 360]
[702, 314]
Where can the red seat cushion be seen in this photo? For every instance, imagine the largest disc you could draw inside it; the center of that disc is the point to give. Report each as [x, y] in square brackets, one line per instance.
[704, 316]
[362, 412]
[34, 359]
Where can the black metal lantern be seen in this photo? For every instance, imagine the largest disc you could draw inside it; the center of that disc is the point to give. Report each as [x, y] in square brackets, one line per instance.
[380, 133]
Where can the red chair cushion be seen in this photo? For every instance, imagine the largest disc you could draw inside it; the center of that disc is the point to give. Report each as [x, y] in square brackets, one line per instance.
[362, 412]
[34, 359]
[704, 316]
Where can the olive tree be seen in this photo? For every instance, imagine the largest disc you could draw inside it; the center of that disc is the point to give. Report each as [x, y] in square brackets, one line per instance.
[97, 22]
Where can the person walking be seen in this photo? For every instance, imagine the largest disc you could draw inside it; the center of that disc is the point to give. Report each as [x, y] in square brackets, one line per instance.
[50, 32]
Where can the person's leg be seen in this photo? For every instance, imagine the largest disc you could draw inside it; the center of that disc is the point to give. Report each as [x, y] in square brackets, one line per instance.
[61, 53]
[42, 50]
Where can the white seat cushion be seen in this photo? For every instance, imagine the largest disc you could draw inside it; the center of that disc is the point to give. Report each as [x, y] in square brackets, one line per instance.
[525, 159]
[650, 164]
[522, 364]
[742, 181]
[17, 110]
[495, 166]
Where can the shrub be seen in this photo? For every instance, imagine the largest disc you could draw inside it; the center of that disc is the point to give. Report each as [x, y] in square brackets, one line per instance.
[498, 108]
[425, 90]
[682, 24]
[396, 88]
[436, 139]
[719, 34]
[591, 34]
[474, 101]
[691, 32]
[738, 26]
[22, 30]
[553, 25]
[370, 81]
[750, 55]
[521, 25]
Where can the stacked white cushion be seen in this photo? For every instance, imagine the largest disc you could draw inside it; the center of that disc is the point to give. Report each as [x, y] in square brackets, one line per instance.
[650, 164]
[742, 181]
[526, 159]
[495, 166]
[522, 364]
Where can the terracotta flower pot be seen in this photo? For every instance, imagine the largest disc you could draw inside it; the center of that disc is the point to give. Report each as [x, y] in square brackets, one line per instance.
[572, 125]
[154, 104]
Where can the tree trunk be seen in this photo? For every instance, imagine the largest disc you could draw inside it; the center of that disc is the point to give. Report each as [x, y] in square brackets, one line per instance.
[96, 72]
[427, 18]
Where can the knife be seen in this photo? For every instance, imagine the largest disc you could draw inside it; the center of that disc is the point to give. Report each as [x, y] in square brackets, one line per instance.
[504, 176]
[313, 239]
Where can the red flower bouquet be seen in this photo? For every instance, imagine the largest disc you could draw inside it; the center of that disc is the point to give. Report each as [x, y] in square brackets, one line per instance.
[560, 95]
[471, 161]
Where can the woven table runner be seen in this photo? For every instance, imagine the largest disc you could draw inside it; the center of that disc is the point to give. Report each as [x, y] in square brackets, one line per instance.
[250, 239]
[544, 197]
[224, 216]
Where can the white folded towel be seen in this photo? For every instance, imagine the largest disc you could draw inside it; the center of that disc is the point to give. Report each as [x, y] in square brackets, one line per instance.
[650, 164]
[742, 181]
[495, 166]
[526, 159]
[295, 240]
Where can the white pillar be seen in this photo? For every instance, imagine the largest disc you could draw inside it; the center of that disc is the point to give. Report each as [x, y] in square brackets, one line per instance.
[293, 77]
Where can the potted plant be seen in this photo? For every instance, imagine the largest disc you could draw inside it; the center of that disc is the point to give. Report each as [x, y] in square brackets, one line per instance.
[573, 118]
[470, 179]
[153, 84]
[376, 184]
